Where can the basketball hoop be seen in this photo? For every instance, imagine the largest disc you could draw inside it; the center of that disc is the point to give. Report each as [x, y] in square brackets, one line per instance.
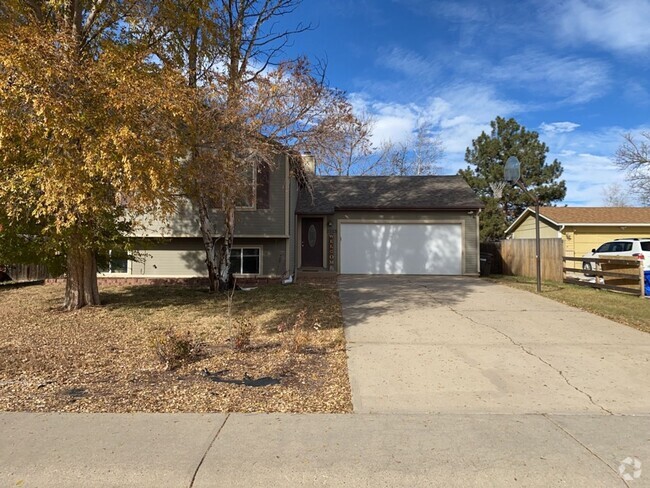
[497, 189]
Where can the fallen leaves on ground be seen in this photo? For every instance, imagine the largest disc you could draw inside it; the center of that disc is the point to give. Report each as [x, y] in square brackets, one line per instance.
[103, 359]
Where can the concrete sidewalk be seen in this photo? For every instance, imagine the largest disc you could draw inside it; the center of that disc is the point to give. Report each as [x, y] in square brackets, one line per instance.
[456, 383]
[437, 344]
[243, 450]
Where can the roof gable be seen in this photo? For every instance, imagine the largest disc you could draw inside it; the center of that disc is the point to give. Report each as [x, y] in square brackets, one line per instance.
[331, 193]
[588, 216]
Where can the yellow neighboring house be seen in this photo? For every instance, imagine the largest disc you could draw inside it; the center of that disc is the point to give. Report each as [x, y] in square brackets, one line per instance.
[583, 228]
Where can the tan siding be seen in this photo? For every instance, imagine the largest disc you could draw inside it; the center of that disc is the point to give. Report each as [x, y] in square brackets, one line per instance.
[526, 230]
[471, 246]
[269, 222]
[293, 199]
[587, 238]
[173, 258]
[184, 257]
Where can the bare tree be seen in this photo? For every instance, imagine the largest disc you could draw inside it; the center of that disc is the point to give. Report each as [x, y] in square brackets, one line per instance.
[615, 195]
[348, 148]
[420, 155]
[634, 157]
[351, 152]
[248, 106]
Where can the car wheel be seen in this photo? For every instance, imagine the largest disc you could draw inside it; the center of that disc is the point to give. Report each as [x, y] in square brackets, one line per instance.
[587, 269]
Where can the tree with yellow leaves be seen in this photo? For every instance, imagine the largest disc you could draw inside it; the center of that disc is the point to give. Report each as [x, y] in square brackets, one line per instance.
[249, 105]
[88, 128]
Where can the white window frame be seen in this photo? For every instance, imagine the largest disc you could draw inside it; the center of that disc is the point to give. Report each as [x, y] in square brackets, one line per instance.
[109, 272]
[241, 249]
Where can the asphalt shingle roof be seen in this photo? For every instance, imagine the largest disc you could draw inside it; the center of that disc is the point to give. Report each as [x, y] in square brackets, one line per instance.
[330, 193]
[597, 215]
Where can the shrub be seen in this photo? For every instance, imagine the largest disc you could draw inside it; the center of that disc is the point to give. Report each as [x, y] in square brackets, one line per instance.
[241, 333]
[173, 348]
[298, 338]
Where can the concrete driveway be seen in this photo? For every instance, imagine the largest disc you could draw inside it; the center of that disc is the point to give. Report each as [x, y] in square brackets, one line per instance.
[456, 383]
[464, 345]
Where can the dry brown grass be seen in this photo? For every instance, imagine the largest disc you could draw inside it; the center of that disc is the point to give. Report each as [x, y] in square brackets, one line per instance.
[103, 359]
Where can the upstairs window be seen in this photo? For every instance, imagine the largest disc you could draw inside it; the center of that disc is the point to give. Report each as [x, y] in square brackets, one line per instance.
[248, 184]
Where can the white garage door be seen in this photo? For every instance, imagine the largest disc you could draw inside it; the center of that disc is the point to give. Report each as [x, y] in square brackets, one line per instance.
[401, 249]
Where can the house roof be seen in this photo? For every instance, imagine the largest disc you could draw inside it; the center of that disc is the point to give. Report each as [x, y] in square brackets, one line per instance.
[331, 193]
[588, 216]
[597, 215]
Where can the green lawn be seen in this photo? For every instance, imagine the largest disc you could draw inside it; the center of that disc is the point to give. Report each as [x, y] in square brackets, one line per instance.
[626, 309]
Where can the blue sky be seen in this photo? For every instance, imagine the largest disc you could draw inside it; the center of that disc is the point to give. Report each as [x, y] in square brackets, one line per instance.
[576, 71]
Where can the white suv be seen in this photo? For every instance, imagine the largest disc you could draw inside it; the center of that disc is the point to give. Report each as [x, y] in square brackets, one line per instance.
[638, 248]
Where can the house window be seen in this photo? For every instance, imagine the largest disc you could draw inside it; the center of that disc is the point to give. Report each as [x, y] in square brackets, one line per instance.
[246, 196]
[245, 260]
[117, 263]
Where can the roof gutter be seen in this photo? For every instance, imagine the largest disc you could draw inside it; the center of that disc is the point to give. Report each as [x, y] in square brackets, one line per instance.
[406, 209]
[605, 224]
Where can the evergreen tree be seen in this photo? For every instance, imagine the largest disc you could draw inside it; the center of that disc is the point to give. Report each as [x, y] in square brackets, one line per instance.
[487, 158]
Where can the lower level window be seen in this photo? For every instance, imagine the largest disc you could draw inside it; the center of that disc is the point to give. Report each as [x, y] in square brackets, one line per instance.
[117, 263]
[245, 260]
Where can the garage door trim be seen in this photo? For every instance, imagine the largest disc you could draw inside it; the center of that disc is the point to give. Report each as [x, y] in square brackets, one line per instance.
[343, 221]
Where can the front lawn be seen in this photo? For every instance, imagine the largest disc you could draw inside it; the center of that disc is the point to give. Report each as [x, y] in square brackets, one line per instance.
[282, 351]
[626, 309]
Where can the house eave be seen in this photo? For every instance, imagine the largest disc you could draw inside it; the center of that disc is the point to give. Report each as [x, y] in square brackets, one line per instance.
[405, 209]
[606, 224]
[524, 215]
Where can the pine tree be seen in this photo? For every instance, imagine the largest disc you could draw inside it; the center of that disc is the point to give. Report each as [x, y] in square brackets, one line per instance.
[486, 159]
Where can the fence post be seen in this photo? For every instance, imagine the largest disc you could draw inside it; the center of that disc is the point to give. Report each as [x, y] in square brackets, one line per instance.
[642, 273]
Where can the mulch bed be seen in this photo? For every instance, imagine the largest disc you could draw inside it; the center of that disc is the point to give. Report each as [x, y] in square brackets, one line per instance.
[103, 359]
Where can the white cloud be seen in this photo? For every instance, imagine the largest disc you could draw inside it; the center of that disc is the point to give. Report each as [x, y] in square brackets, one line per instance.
[587, 158]
[406, 62]
[558, 127]
[392, 121]
[587, 175]
[457, 114]
[463, 111]
[618, 25]
[460, 11]
[576, 80]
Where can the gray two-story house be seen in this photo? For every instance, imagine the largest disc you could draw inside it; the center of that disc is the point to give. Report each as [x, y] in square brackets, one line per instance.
[349, 225]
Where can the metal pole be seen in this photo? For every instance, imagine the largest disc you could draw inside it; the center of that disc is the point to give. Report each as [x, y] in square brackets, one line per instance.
[537, 247]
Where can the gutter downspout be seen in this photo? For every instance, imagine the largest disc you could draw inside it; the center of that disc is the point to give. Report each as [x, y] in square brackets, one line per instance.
[478, 242]
[295, 242]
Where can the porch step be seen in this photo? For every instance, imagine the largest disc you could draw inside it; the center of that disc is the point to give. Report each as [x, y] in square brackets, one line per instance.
[315, 276]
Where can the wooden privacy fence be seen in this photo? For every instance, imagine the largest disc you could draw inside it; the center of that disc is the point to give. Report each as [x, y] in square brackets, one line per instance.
[617, 273]
[26, 272]
[517, 257]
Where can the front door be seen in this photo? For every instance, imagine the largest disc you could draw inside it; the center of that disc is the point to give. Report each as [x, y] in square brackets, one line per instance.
[312, 243]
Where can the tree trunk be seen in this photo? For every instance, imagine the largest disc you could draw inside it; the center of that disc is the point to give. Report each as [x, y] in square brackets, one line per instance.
[208, 243]
[226, 248]
[81, 279]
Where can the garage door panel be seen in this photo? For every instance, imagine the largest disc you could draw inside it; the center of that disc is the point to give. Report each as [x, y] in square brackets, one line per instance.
[401, 249]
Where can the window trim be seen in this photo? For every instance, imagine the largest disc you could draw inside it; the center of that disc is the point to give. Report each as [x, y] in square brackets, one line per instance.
[111, 273]
[253, 205]
[259, 249]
